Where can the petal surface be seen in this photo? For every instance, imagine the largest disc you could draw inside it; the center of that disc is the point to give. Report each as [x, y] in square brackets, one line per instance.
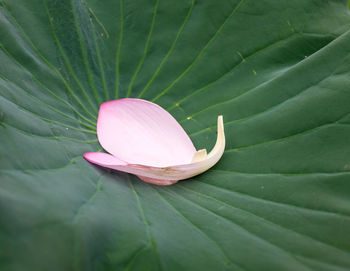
[140, 132]
[170, 174]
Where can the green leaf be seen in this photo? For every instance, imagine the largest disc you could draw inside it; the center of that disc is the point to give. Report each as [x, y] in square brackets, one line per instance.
[278, 71]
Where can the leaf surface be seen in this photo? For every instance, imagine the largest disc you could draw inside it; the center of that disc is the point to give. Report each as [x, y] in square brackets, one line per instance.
[277, 71]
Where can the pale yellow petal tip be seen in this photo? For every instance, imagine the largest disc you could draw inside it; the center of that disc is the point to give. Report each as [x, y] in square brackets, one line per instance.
[220, 122]
[199, 155]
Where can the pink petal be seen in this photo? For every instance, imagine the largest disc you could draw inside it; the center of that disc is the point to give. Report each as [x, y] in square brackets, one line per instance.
[140, 132]
[170, 174]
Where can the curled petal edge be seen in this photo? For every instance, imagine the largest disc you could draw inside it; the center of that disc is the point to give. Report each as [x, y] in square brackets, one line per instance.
[201, 162]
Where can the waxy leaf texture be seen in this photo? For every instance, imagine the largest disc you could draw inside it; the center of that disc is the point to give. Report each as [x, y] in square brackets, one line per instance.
[279, 73]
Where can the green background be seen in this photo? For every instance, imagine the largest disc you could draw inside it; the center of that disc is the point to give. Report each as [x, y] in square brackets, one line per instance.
[279, 73]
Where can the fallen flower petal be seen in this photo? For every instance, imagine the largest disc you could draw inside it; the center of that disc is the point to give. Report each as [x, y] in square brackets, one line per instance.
[144, 139]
